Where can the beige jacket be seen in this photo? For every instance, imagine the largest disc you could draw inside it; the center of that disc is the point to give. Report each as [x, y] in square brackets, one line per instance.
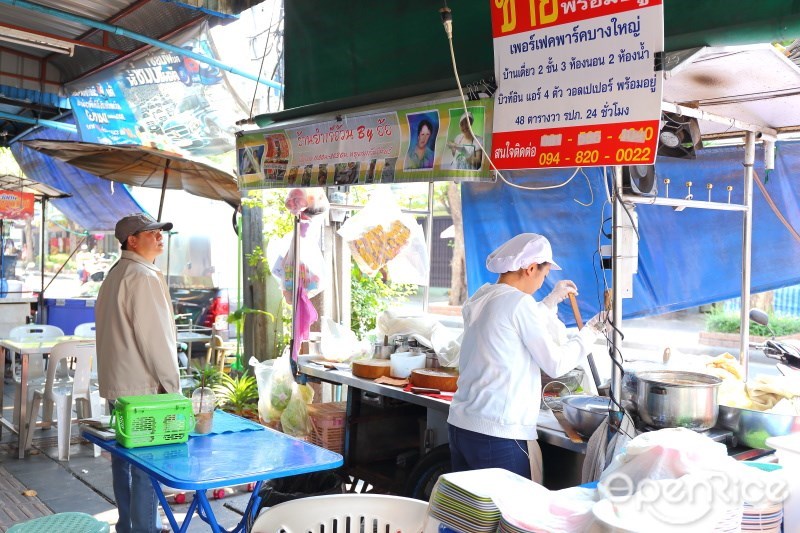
[136, 346]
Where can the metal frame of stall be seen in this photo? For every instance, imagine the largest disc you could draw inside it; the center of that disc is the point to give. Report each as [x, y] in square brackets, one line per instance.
[751, 131]
[43, 193]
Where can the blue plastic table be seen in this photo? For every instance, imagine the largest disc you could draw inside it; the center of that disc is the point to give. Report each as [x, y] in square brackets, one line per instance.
[248, 455]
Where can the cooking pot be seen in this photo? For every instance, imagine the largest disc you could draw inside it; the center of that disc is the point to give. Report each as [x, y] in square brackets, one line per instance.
[671, 398]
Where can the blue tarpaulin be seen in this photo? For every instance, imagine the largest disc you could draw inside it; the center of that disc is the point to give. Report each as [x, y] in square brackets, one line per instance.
[92, 206]
[686, 258]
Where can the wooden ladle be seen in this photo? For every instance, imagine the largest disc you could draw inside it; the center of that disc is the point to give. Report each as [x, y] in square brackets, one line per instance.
[573, 302]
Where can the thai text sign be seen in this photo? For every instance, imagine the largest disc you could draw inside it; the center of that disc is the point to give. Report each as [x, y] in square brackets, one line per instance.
[15, 205]
[577, 84]
[433, 142]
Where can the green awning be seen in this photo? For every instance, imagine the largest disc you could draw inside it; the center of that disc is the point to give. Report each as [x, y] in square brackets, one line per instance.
[345, 54]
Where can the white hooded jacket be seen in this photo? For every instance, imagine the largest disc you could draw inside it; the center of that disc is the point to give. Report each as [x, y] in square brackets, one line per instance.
[508, 338]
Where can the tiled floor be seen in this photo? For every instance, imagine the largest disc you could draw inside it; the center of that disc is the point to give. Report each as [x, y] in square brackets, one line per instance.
[81, 484]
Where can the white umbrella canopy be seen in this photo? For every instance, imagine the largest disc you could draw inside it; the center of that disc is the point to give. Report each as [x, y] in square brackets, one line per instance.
[144, 166]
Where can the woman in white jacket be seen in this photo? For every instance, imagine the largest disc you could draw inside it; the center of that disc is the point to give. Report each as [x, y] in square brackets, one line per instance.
[508, 338]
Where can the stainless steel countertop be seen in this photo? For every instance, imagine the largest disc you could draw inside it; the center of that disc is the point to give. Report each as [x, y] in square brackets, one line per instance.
[548, 427]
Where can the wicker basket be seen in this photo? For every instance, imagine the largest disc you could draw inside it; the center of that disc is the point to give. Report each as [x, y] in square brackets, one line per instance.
[328, 421]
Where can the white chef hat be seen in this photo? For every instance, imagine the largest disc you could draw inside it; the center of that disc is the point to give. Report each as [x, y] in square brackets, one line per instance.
[521, 252]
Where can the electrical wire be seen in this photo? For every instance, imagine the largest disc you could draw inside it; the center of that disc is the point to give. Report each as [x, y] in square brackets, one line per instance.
[448, 28]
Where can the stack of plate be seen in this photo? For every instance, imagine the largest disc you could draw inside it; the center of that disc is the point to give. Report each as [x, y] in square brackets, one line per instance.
[763, 519]
[731, 520]
[458, 503]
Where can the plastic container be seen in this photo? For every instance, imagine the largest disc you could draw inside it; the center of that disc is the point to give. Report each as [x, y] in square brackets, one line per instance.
[402, 363]
[152, 419]
[68, 313]
[787, 450]
[203, 404]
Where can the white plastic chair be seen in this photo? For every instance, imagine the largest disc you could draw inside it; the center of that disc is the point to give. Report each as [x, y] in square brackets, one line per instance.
[31, 333]
[305, 515]
[86, 330]
[63, 394]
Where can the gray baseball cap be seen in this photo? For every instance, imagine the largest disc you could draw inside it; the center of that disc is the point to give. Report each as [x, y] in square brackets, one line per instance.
[135, 223]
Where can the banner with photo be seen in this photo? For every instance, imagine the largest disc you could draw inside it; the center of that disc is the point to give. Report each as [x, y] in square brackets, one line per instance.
[423, 143]
[161, 99]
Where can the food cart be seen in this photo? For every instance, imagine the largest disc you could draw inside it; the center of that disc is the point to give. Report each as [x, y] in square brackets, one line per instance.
[397, 439]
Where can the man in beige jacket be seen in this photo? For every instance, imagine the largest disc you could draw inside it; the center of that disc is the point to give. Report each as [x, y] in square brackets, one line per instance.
[136, 351]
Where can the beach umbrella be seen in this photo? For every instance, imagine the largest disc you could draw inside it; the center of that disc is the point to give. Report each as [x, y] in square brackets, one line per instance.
[144, 166]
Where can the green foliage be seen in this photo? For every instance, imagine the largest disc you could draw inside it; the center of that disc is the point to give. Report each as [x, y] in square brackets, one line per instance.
[409, 196]
[370, 295]
[54, 261]
[237, 394]
[237, 317]
[208, 376]
[722, 322]
[257, 260]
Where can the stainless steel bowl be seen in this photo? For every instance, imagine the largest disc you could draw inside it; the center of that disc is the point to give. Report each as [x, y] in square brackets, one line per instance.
[669, 399]
[585, 413]
[753, 428]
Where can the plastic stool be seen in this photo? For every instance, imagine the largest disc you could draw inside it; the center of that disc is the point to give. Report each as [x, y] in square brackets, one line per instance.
[72, 522]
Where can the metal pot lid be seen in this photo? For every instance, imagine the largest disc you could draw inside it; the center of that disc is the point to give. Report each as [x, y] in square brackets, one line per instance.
[678, 378]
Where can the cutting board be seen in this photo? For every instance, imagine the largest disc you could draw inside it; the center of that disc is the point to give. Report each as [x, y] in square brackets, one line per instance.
[443, 379]
[371, 368]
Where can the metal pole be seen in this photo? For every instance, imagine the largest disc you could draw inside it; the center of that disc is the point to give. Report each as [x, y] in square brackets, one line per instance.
[747, 238]
[163, 188]
[300, 378]
[116, 30]
[426, 295]
[169, 251]
[40, 122]
[616, 277]
[40, 300]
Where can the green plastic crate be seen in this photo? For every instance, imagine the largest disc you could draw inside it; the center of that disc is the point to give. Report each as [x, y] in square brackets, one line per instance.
[152, 419]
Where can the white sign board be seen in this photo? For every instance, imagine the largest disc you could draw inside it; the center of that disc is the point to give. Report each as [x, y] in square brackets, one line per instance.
[577, 84]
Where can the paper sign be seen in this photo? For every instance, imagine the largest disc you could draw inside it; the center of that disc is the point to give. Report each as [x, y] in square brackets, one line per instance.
[577, 84]
[15, 205]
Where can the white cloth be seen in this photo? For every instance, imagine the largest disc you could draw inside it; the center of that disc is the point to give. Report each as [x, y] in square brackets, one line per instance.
[136, 346]
[508, 338]
[521, 252]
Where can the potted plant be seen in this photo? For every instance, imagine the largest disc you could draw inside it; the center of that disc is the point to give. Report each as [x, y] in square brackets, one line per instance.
[238, 395]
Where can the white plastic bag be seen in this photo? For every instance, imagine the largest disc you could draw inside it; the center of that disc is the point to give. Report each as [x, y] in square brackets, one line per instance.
[340, 344]
[381, 234]
[280, 254]
[280, 388]
[263, 373]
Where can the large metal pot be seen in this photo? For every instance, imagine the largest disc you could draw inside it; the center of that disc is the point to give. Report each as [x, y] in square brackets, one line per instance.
[753, 428]
[669, 398]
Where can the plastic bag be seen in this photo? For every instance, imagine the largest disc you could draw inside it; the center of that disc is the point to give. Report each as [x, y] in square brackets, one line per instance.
[263, 373]
[339, 344]
[294, 419]
[280, 389]
[307, 202]
[381, 234]
[280, 254]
